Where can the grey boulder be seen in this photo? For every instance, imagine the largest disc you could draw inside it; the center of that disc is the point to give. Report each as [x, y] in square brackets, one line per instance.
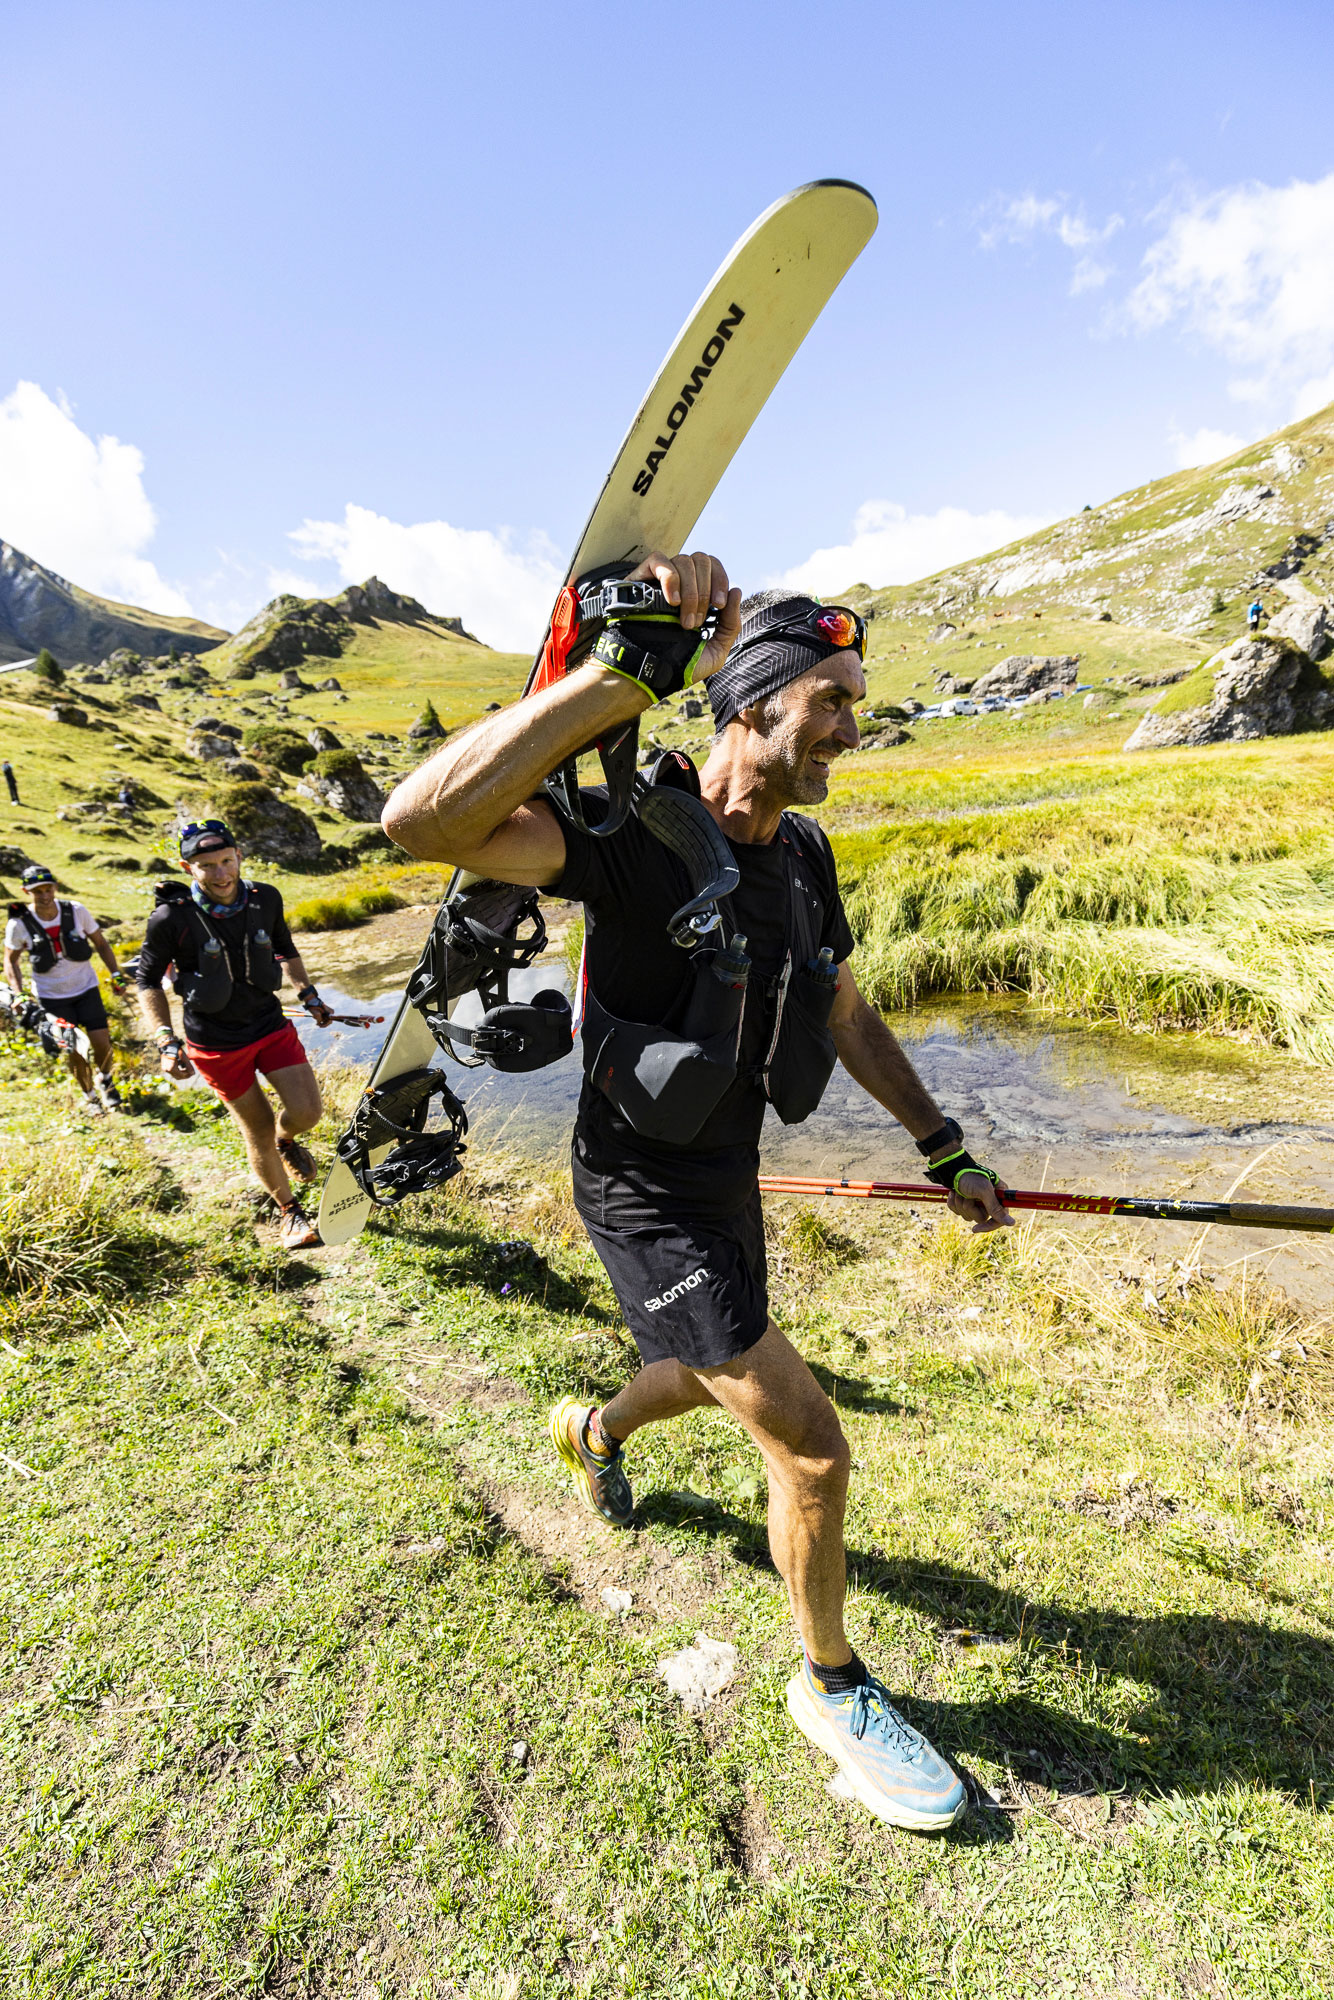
[1026, 673]
[1307, 623]
[204, 744]
[1260, 687]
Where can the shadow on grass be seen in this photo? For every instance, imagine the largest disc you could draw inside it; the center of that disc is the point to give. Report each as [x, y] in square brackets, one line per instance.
[1225, 1699]
[451, 1254]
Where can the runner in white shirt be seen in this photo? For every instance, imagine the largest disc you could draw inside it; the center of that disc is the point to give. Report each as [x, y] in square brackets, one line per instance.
[60, 938]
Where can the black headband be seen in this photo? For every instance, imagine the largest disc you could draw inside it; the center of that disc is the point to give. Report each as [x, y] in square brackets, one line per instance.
[758, 665]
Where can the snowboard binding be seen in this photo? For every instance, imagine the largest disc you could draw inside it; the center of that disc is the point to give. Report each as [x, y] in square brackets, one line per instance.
[395, 1114]
[477, 940]
[631, 628]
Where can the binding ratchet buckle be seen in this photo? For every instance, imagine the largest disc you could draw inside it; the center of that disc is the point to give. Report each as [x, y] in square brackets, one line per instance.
[395, 1115]
[631, 628]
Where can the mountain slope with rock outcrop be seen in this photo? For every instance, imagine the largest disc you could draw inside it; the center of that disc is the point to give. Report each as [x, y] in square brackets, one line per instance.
[39, 608]
[1147, 591]
[1163, 555]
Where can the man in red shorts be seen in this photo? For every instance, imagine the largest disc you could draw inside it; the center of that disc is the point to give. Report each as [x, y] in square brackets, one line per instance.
[229, 942]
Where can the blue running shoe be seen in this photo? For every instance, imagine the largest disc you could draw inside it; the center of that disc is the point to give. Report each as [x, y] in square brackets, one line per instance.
[894, 1771]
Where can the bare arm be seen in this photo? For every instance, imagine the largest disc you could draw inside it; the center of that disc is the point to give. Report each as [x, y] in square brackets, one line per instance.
[155, 1008]
[473, 803]
[871, 1054]
[14, 970]
[97, 939]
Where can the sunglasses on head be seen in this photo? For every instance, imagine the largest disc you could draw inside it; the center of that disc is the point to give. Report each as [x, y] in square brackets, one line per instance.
[212, 830]
[827, 624]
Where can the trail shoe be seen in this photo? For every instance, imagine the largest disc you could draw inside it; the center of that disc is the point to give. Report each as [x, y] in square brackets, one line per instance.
[109, 1094]
[93, 1104]
[297, 1159]
[891, 1768]
[296, 1230]
[599, 1478]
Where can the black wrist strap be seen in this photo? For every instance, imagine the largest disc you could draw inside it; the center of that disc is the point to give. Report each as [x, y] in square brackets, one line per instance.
[946, 1172]
[950, 1134]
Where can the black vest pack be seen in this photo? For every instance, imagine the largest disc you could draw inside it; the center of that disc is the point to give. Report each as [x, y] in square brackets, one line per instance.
[667, 1078]
[208, 988]
[77, 949]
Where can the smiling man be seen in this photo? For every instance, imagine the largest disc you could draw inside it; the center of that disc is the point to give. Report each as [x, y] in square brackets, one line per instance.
[678, 1225]
[229, 944]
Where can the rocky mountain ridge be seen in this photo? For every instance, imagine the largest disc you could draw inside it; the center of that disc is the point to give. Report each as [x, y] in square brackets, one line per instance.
[290, 630]
[40, 608]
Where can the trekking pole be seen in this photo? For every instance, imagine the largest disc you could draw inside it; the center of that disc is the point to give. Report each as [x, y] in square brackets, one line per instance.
[1143, 1208]
[344, 1020]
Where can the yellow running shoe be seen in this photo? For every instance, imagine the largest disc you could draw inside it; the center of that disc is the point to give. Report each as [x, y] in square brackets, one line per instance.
[600, 1482]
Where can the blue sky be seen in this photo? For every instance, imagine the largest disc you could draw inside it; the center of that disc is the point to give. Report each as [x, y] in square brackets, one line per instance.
[266, 264]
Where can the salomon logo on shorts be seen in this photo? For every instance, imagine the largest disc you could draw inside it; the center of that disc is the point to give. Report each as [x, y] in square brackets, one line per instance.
[696, 1277]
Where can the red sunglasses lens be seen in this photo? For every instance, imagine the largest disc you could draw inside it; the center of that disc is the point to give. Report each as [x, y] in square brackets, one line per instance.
[838, 627]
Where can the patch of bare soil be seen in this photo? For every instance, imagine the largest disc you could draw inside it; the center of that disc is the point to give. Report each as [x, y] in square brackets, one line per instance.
[1137, 1503]
[577, 1550]
[586, 1556]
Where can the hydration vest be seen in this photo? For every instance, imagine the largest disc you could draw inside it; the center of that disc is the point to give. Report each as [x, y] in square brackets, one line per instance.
[208, 988]
[667, 1078]
[44, 956]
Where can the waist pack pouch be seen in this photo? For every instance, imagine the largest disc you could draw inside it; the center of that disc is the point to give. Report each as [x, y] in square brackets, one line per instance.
[525, 1034]
[802, 1054]
[665, 1085]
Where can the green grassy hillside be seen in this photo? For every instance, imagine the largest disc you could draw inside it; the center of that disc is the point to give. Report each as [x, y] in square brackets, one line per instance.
[387, 669]
[1154, 580]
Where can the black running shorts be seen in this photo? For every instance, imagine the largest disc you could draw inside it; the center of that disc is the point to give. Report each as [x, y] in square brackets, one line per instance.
[692, 1290]
[85, 1010]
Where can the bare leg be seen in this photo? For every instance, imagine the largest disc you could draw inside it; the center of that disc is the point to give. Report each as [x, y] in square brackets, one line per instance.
[298, 1093]
[661, 1390]
[773, 1395]
[254, 1115]
[100, 1039]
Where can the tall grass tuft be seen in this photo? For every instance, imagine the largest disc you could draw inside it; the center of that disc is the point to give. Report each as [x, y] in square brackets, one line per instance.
[78, 1224]
[342, 913]
[1161, 905]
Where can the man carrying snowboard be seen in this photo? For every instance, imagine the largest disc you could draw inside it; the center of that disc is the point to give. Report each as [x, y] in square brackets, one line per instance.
[229, 943]
[679, 1226]
[60, 938]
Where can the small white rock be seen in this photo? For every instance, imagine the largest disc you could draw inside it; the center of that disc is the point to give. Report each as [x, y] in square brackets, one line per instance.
[519, 1754]
[839, 1787]
[699, 1672]
[617, 1601]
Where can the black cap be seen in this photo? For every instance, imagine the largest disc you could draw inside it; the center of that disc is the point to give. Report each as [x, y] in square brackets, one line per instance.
[205, 836]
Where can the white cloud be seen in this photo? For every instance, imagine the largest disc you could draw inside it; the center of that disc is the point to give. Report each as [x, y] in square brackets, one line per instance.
[1250, 271]
[1202, 447]
[1030, 215]
[890, 545]
[77, 503]
[503, 590]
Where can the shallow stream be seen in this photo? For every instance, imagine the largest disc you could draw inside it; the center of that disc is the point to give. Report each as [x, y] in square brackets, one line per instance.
[1046, 1101]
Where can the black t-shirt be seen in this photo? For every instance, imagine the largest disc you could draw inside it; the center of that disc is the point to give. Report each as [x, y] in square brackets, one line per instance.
[172, 939]
[630, 884]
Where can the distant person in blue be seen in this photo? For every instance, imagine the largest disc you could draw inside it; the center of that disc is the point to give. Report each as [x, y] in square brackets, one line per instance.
[1253, 616]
